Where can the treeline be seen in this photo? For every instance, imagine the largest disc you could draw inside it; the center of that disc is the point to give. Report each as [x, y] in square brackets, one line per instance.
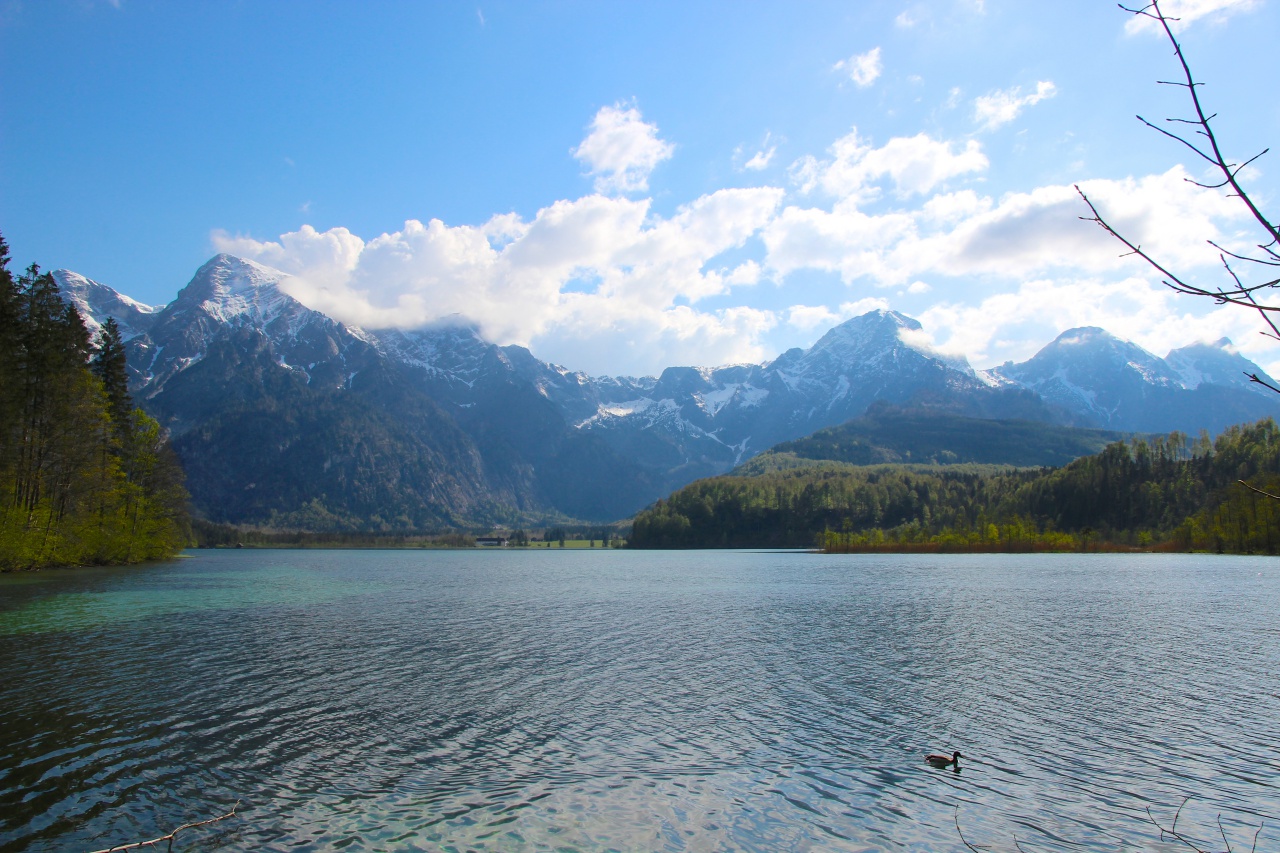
[85, 478]
[206, 534]
[1166, 491]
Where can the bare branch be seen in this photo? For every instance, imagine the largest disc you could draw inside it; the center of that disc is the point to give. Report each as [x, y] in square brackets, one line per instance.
[1172, 831]
[1266, 494]
[1239, 257]
[169, 838]
[1209, 150]
[1179, 139]
[1219, 160]
[964, 840]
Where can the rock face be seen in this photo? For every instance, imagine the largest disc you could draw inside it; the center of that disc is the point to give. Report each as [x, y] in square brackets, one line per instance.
[285, 416]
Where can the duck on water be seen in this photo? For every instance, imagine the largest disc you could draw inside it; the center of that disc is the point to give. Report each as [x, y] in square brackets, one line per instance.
[942, 761]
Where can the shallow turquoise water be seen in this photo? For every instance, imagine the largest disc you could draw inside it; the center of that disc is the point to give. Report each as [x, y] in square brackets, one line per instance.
[638, 701]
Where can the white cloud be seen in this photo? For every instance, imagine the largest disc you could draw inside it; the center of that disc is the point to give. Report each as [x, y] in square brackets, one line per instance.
[906, 20]
[1015, 324]
[513, 278]
[1189, 11]
[622, 150]
[1003, 106]
[819, 317]
[914, 164]
[1020, 234]
[809, 317]
[604, 283]
[761, 159]
[863, 68]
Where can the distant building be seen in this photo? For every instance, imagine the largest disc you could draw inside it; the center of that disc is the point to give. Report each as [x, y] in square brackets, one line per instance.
[491, 541]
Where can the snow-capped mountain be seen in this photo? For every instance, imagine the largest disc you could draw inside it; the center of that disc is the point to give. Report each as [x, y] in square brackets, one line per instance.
[720, 416]
[229, 294]
[1116, 384]
[284, 415]
[1218, 363]
[96, 302]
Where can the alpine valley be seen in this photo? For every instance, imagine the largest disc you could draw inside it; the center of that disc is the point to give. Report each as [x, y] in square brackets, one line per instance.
[284, 416]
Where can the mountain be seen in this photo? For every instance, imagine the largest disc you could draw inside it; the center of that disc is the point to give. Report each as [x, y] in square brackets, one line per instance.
[285, 416]
[713, 418]
[96, 302]
[889, 434]
[1107, 382]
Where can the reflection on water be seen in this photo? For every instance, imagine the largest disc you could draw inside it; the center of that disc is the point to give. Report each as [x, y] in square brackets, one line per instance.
[636, 701]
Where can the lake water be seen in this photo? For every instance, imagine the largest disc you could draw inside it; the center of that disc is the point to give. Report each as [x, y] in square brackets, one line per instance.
[613, 700]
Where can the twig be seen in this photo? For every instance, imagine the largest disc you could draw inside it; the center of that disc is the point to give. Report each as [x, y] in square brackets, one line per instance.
[1209, 149]
[964, 840]
[169, 838]
[1259, 491]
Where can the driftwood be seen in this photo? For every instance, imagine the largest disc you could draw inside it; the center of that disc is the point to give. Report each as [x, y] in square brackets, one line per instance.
[169, 838]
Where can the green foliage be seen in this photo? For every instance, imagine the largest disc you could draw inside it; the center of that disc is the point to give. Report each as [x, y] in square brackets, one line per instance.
[889, 434]
[1132, 494]
[207, 534]
[84, 477]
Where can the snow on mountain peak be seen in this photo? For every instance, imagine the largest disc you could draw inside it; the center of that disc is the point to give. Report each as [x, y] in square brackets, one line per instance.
[1217, 363]
[96, 302]
[875, 333]
[1089, 351]
[227, 287]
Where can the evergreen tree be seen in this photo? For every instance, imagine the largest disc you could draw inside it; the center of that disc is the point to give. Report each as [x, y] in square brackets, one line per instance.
[84, 476]
[109, 366]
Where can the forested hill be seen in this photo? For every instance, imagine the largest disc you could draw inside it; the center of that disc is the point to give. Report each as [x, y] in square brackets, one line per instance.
[888, 434]
[85, 478]
[1132, 493]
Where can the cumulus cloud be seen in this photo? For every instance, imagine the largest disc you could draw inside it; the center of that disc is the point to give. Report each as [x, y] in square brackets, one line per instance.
[516, 279]
[1003, 106]
[622, 150]
[913, 164]
[1014, 324]
[862, 68]
[820, 317]
[1188, 12]
[1019, 234]
[605, 283]
[760, 160]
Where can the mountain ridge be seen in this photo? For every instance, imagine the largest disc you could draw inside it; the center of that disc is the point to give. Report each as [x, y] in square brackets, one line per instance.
[520, 439]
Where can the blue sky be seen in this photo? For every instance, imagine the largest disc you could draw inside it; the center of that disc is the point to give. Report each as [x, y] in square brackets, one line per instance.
[624, 186]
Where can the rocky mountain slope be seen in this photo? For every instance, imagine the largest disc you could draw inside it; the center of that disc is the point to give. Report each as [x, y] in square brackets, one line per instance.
[285, 416]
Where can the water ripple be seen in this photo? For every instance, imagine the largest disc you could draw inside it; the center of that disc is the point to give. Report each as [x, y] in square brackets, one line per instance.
[624, 701]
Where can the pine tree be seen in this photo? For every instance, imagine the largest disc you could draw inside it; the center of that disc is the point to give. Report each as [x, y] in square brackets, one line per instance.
[84, 476]
[109, 366]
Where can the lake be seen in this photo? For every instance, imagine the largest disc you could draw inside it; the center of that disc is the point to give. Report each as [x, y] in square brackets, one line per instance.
[616, 700]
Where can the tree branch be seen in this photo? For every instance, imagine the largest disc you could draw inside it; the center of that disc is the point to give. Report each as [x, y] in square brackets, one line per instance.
[169, 838]
[1267, 494]
[1209, 150]
[964, 840]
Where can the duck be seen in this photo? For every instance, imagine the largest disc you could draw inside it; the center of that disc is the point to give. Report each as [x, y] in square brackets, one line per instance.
[941, 761]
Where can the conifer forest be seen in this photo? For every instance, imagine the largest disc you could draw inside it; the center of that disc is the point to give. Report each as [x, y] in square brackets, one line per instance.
[86, 478]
